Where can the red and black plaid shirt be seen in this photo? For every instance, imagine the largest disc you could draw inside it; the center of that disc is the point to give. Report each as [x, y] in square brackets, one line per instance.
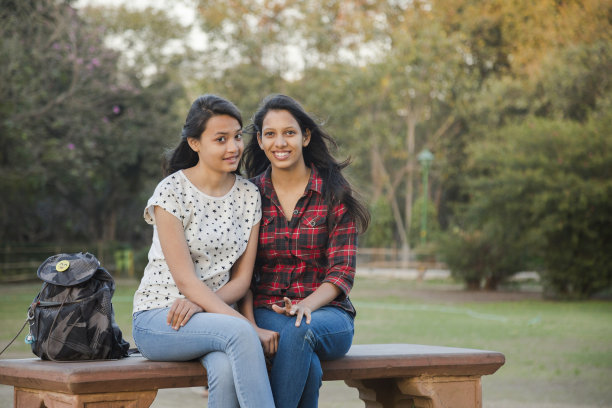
[295, 257]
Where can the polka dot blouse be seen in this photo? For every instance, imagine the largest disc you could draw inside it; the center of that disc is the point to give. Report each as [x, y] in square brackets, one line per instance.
[217, 230]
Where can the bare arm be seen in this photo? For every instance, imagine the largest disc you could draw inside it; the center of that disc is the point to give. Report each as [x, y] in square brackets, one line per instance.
[176, 252]
[245, 306]
[321, 297]
[242, 271]
[268, 338]
[317, 299]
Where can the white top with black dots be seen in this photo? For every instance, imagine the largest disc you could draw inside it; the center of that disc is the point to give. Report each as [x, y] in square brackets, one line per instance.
[217, 230]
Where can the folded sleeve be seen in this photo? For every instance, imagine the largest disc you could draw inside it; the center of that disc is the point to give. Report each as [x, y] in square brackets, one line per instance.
[166, 197]
[342, 251]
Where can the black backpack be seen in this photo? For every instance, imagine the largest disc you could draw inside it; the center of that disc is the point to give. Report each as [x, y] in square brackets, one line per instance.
[72, 317]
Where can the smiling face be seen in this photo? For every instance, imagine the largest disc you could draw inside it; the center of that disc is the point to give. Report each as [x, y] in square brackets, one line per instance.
[220, 146]
[282, 140]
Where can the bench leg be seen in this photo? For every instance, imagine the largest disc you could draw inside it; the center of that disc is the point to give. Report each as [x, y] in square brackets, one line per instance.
[420, 392]
[29, 398]
[381, 393]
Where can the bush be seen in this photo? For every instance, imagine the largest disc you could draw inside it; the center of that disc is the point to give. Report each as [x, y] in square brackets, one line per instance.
[550, 181]
[482, 258]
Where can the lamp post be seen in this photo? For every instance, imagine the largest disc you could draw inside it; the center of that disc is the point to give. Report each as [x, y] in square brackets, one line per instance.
[425, 158]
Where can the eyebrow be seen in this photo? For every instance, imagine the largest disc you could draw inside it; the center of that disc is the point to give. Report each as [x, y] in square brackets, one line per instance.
[222, 132]
[285, 128]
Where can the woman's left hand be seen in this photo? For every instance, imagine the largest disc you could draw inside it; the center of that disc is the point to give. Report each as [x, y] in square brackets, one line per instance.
[181, 311]
[299, 310]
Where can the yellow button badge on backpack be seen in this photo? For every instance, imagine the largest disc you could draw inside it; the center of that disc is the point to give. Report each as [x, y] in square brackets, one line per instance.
[62, 266]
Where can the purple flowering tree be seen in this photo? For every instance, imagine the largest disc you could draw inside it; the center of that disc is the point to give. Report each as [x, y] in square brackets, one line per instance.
[79, 137]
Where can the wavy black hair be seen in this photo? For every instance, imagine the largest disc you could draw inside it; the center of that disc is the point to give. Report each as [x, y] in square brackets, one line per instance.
[202, 109]
[336, 189]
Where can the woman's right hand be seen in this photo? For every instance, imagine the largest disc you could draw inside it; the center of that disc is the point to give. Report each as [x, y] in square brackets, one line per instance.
[181, 311]
[269, 340]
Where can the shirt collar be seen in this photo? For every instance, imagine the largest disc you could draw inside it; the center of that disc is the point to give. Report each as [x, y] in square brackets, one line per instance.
[315, 182]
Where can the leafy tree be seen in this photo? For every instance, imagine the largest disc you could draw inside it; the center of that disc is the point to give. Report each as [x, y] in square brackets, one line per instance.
[386, 78]
[424, 70]
[151, 41]
[79, 138]
[290, 36]
[382, 73]
[549, 180]
[380, 234]
[574, 80]
[531, 58]
[486, 252]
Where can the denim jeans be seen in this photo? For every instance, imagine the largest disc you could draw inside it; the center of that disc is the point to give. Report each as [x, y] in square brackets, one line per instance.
[227, 346]
[296, 368]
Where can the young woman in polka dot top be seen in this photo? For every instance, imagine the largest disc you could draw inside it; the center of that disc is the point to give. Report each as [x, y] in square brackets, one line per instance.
[205, 219]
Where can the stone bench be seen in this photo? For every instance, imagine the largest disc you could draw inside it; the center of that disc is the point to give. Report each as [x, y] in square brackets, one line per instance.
[386, 375]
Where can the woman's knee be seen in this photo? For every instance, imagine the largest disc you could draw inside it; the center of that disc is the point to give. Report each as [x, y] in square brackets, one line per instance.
[241, 332]
[243, 328]
[302, 337]
[270, 320]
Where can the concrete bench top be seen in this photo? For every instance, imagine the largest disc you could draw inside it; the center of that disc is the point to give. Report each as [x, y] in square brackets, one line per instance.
[135, 373]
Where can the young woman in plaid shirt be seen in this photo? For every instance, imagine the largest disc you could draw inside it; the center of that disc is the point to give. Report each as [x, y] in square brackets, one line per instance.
[306, 251]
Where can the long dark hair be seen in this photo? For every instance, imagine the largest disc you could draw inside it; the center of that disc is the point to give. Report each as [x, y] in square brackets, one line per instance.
[202, 109]
[336, 188]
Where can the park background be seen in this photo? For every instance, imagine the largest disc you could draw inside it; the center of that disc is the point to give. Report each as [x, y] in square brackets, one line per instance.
[480, 135]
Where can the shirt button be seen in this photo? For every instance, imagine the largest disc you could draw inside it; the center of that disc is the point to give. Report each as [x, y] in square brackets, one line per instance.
[295, 212]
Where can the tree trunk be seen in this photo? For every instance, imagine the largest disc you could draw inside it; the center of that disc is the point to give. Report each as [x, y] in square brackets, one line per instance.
[391, 198]
[491, 283]
[376, 175]
[110, 226]
[472, 284]
[411, 125]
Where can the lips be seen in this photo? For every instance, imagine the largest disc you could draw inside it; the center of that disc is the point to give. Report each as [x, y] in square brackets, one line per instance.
[232, 159]
[281, 155]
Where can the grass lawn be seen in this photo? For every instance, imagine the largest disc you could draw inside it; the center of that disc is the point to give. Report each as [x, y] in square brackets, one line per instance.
[558, 354]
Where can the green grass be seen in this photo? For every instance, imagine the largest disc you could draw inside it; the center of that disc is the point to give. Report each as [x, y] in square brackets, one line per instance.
[556, 352]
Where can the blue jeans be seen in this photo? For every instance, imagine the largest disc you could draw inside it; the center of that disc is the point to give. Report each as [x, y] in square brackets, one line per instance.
[296, 368]
[227, 346]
